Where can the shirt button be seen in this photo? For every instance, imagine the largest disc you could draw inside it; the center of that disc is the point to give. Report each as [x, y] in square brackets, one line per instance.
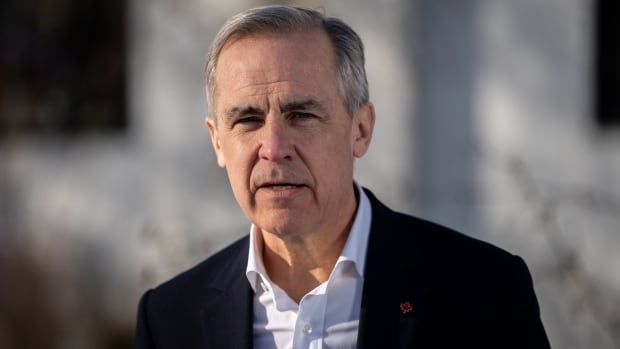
[307, 329]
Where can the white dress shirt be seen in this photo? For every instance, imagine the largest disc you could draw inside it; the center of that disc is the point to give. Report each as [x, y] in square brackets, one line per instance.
[327, 316]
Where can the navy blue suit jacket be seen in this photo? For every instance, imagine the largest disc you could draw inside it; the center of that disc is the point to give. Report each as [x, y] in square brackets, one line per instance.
[463, 293]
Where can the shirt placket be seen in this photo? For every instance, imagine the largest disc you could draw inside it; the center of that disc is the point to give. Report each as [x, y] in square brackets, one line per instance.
[310, 320]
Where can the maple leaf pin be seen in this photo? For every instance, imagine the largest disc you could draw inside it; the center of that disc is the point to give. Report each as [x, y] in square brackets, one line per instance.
[406, 307]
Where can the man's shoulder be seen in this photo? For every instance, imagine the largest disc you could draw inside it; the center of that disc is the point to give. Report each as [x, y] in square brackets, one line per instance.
[445, 241]
[175, 313]
[432, 254]
[405, 233]
[486, 291]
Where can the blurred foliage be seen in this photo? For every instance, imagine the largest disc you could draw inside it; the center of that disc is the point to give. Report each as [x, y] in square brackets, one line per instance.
[41, 307]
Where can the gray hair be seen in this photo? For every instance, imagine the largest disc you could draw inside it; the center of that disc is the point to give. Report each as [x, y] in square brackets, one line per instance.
[348, 46]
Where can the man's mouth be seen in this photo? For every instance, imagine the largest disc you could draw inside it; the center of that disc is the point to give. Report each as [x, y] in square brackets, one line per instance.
[280, 186]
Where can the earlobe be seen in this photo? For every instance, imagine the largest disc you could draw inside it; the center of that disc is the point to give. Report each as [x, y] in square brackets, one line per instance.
[364, 125]
[215, 141]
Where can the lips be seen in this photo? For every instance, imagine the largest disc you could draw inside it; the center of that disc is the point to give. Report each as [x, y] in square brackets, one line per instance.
[280, 186]
[278, 180]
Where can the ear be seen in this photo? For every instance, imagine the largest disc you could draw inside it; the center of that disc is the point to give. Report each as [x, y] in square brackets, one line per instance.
[363, 125]
[215, 140]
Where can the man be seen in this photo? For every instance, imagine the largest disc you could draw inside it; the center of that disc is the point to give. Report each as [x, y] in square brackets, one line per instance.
[326, 265]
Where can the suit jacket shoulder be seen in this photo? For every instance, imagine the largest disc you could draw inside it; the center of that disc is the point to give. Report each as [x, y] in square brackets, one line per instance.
[213, 272]
[207, 306]
[479, 294]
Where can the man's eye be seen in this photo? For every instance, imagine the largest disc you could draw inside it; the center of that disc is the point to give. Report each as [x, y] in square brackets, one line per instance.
[301, 115]
[249, 120]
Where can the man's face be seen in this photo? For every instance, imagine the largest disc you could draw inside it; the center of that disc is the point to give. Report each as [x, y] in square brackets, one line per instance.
[283, 133]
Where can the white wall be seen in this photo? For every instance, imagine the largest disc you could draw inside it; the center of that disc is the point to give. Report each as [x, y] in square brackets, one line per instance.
[540, 179]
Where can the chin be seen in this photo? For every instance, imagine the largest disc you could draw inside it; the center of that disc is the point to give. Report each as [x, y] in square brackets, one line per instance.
[281, 225]
[281, 230]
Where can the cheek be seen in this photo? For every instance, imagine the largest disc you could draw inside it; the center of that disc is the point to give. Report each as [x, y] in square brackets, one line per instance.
[332, 159]
[238, 177]
[238, 166]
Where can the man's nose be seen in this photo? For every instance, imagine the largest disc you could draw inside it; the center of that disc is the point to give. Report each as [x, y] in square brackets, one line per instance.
[276, 142]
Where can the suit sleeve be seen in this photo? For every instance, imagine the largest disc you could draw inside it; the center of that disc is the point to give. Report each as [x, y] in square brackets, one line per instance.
[143, 339]
[520, 322]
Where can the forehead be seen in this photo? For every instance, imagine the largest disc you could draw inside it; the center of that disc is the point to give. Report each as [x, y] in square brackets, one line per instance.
[300, 62]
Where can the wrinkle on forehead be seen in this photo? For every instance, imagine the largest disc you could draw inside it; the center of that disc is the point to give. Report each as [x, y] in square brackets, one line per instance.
[275, 58]
[268, 88]
[287, 88]
[242, 75]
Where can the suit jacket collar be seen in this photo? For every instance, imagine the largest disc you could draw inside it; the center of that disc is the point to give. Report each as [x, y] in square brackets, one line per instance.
[228, 310]
[391, 282]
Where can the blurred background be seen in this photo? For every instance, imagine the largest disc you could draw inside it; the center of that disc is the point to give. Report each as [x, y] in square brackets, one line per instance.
[498, 118]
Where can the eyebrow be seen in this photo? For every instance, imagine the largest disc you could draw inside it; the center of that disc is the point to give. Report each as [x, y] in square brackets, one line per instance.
[304, 104]
[301, 104]
[241, 111]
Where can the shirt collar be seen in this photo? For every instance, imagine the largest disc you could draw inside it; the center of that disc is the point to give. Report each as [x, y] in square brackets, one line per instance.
[357, 242]
[354, 249]
[255, 268]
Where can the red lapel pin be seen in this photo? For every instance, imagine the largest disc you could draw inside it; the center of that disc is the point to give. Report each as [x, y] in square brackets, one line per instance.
[406, 307]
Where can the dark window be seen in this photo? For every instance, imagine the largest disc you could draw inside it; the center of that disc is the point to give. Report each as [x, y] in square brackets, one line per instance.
[607, 63]
[62, 66]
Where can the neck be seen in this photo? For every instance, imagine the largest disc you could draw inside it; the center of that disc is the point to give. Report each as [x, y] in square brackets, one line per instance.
[300, 263]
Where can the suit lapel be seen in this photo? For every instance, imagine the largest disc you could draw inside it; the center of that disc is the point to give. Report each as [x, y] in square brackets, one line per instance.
[394, 295]
[228, 311]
